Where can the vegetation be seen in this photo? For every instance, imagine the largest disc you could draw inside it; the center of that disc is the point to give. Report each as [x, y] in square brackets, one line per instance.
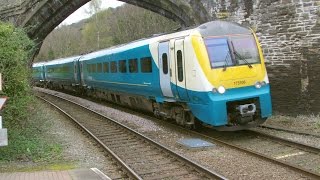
[104, 29]
[28, 139]
[34, 143]
[25, 142]
[15, 50]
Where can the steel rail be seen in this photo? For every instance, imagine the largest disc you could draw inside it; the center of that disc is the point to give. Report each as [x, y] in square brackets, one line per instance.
[177, 155]
[289, 131]
[245, 150]
[260, 155]
[131, 172]
[287, 142]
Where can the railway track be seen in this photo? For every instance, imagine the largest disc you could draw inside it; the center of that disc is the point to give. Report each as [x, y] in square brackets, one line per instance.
[302, 146]
[289, 131]
[206, 134]
[139, 156]
[283, 161]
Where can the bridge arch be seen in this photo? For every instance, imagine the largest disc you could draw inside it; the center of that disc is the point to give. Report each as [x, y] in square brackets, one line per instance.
[50, 13]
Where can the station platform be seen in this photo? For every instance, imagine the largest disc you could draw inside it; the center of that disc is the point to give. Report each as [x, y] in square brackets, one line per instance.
[75, 174]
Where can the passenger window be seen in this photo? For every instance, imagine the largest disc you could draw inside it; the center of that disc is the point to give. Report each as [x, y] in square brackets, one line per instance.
[94, 68]
[146, 65]
[180, 65]
[65, 69]
[165, 63]
[133, 65]
[114, 68]
[123, 66]
[106, 67]
[99, 69]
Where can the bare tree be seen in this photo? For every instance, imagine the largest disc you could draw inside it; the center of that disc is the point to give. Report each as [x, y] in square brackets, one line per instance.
[94, 8]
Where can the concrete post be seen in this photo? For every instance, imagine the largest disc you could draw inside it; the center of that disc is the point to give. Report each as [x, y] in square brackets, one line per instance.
[3, 135]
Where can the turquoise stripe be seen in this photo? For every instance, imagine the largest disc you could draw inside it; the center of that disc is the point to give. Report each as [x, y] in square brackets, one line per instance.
[211, 108]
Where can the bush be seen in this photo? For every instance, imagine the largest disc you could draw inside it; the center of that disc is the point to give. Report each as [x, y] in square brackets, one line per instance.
[15, 53]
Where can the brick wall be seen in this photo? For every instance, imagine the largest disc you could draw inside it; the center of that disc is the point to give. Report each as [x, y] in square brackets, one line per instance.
[289, 32]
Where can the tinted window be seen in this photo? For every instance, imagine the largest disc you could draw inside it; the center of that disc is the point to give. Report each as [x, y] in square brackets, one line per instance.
[123, 66]
[245, 49]
[93, 68]
[133, 65]
[218, 51]
[165, 63]
[99, 68]
[180, 65]
[114, 68]
[106, 67]
[88, 68]
[146, 65]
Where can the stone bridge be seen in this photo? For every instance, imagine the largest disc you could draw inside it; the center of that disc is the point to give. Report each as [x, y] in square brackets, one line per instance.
[40, 17]
[289, 32]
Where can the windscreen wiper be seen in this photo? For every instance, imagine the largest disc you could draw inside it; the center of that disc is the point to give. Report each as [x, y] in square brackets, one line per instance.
[239, 56]
[243, 59]
[226, 62]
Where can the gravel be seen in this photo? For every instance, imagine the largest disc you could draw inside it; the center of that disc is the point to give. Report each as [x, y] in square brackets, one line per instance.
[304, 139]
[78, 148]
[231, 163]
[308, 124]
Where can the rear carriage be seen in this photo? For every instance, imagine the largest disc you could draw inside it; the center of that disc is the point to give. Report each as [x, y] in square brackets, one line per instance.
[63, 73]
[38, 73]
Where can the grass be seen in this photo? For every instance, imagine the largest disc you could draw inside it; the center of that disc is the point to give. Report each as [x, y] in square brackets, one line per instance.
[31, 143]
[31, 167]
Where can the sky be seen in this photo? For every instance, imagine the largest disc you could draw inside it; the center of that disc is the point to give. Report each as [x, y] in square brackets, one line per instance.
[81, 12]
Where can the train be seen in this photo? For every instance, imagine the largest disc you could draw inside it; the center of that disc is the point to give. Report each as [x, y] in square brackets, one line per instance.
[213, 74]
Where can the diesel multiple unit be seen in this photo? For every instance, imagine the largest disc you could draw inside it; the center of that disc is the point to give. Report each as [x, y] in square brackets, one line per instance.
[213, 74]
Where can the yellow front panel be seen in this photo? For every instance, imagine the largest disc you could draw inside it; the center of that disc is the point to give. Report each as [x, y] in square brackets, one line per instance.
[232, 77]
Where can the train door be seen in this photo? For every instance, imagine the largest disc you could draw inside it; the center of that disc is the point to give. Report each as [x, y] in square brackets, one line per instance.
[81, 73]
[42, 73]
[180, 69]
[75, 72]
[164, 69]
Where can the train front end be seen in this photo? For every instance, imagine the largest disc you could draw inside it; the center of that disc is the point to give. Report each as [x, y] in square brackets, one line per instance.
[232, 62]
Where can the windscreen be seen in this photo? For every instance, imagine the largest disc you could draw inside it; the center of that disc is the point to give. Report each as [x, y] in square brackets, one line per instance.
[245, 49]
[232, 51]
[219, 52]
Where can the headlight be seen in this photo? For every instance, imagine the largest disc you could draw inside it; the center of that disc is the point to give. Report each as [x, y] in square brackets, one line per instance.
[221, 89]
[259, 84]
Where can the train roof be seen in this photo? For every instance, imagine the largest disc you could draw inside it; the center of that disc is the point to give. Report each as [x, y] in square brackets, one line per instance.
[219, 28]
[213, 28]
[134, 44]
[38, 64]
[62, 60]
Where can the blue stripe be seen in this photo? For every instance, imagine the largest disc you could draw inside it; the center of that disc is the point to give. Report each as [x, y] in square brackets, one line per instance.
[211, 108]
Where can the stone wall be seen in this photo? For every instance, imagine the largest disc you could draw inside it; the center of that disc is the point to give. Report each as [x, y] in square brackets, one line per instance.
[289, 32]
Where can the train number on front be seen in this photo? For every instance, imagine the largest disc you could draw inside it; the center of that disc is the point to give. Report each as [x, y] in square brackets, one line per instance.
[238, 83]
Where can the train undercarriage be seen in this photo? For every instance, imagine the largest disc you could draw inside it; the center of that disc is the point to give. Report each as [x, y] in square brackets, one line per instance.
[241, 114]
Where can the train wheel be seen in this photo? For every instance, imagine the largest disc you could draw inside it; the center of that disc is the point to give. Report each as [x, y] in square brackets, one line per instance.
[189, 120]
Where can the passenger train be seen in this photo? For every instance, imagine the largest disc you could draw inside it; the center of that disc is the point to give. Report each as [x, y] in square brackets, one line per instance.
[213, 74]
